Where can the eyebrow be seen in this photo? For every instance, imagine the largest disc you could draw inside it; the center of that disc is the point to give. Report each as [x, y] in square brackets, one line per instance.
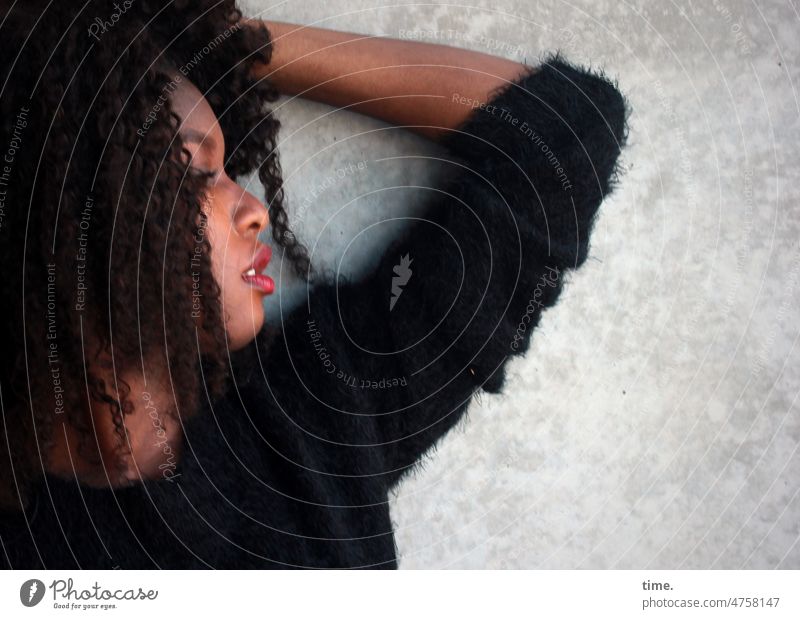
[204, 140]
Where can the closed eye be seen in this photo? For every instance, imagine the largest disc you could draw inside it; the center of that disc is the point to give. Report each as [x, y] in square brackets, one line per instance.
[211, 176]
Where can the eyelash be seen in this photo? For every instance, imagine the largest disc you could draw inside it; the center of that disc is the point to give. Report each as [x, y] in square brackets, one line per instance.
[211, 176]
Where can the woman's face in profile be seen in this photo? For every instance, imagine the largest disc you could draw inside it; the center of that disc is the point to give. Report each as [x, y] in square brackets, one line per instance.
[235, 219]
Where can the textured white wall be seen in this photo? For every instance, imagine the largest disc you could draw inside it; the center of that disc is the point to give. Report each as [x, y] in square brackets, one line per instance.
[654, 422]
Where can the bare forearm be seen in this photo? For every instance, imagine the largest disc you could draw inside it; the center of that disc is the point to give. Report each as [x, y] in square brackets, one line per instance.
[428, 87]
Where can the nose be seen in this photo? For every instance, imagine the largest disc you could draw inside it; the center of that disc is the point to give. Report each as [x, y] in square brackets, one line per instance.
[251, 216]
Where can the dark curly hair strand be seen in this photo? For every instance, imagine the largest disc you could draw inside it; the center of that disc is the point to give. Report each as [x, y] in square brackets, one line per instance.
[101, 219]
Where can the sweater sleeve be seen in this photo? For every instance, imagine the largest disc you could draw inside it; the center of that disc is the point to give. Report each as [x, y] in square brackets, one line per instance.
[391, 362]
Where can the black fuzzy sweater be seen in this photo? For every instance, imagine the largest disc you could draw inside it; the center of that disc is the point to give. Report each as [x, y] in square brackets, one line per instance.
[293, 467]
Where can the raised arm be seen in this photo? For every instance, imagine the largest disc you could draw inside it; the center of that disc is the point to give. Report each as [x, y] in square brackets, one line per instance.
[376, 372]
[408, 83]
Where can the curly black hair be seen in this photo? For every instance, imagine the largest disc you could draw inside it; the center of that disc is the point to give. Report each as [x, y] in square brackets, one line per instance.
[101, 219]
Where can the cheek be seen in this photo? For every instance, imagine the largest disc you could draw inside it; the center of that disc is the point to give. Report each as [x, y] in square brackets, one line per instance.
[218, 233]
[243, 310]
[228, 255]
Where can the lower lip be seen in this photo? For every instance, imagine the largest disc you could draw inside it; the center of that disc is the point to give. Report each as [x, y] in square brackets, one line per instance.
[262, 283]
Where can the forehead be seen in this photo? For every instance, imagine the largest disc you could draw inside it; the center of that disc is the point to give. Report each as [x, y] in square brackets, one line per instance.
[196, 114]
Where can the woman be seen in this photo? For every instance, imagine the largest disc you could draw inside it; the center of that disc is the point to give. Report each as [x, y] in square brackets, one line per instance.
[153, 417]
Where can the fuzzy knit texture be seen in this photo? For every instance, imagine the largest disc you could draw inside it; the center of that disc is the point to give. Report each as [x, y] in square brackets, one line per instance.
[328, 412]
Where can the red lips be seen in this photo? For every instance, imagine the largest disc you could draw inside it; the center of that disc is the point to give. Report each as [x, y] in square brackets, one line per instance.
[262, 258]
[253, 275]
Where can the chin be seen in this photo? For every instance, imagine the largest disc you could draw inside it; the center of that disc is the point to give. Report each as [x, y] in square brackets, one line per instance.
[244, 328]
